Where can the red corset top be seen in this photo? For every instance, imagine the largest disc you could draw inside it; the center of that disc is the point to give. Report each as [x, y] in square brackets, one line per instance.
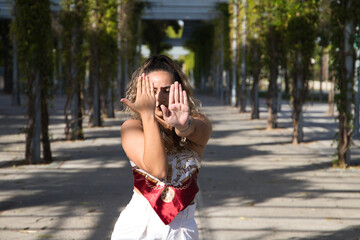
[169, 197]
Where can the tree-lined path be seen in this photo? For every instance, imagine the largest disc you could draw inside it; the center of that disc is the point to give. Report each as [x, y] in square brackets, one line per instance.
[255, 184]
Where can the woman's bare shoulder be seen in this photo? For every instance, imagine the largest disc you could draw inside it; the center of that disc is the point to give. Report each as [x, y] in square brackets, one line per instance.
[131, 126]
[131, 123]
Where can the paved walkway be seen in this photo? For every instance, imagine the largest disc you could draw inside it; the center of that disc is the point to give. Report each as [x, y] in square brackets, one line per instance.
[254, 183]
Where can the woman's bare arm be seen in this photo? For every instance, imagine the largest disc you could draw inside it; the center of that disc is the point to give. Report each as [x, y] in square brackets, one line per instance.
[198, 131]
[142, 143]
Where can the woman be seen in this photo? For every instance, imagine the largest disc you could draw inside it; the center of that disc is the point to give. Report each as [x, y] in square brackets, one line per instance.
[164, 140]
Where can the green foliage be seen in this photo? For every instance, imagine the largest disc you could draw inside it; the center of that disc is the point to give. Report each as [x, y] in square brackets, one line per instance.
[301, 35]
[154, 34]
[108, 50]
[75, 50]
[171, 33]
[273, 22]
[189, 61]
[222, 24]
[324, 23]
[34, 37]
[201, 43]
[255, 26]
[131, 28]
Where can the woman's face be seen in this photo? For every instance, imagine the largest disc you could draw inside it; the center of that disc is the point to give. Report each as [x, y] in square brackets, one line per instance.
[162, 82]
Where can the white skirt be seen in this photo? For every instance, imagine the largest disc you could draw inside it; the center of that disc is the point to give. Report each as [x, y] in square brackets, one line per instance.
[139, 221]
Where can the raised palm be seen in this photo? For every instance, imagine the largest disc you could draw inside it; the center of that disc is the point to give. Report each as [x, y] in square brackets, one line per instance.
[145, 98]
[177, 113]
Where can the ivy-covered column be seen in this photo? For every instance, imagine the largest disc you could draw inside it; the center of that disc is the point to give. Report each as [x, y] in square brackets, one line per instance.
[344, 19]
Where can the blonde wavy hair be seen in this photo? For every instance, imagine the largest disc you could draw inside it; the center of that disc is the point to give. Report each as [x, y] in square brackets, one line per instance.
[166, 64]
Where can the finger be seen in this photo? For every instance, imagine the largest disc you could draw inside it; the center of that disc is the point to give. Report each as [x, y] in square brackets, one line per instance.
[185, 98]
[176, 93]
[143, 84]
[128, 103]
[180, 94]
[152, 89]
[171, 95]
[138, 87]
[147, 85]
[165, 110]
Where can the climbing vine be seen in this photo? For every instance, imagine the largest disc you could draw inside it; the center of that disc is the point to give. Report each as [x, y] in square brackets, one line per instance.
[344, 19]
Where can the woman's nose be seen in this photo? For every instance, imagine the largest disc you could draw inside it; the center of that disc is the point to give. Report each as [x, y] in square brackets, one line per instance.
[157, 96]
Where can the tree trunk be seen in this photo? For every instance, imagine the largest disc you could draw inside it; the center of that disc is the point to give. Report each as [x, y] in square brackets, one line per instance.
[16, 84]
[120, 92]
[96, 118]
[60, 70]
[74, 106]
[346, 85]
[76, 103]
[37, 108]
[126, 64]
[357, 98]
[243, 94]
[298, 134]
[286, 80]
[221, 66]
[255, 114]
[30, 130]
[96, 121]
[321, 73]
[331, 98]
[110, 99]
[217, 77]
[69, 89]
[279, 89]
[77, 74]
[227, 93]
[272, 97]
[234, 55]
[298, 100]
[47, 156]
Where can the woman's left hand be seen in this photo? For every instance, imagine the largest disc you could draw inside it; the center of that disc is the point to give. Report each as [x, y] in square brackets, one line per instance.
[178, 112]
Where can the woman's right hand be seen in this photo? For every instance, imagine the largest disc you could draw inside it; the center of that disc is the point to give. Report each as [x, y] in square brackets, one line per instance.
[145, 101]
